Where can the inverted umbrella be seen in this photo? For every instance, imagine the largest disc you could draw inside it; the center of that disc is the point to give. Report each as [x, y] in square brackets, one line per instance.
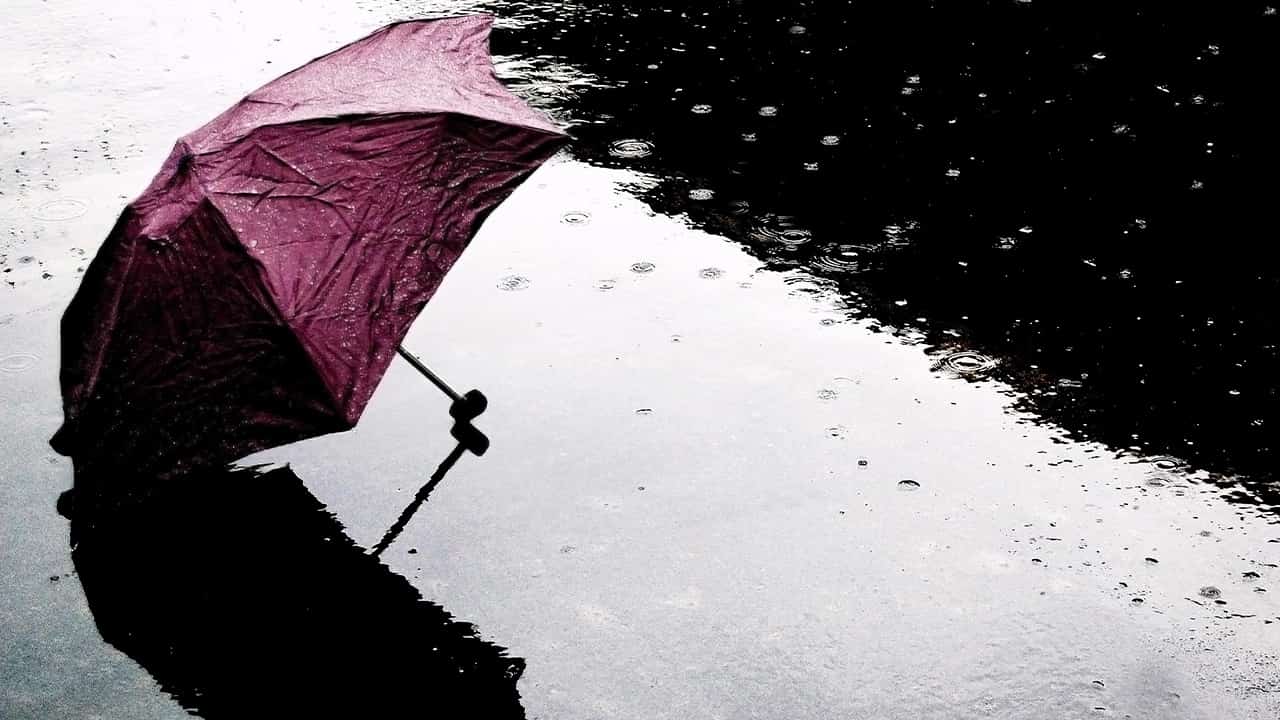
[258, 289]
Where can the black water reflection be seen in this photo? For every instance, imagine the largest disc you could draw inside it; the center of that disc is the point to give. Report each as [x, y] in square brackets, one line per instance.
[243, 597]
[1081, 191]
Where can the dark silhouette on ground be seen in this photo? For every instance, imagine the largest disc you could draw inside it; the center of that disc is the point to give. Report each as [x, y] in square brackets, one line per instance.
[1082, 192]
[240, 593]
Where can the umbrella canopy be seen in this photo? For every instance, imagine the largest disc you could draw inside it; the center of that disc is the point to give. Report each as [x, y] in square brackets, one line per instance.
[256, 291]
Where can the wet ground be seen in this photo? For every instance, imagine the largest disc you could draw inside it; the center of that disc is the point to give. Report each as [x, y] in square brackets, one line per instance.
[849, 364]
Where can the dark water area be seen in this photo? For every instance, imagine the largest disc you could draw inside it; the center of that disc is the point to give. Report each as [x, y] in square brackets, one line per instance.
[1077, 195]
[243, 596]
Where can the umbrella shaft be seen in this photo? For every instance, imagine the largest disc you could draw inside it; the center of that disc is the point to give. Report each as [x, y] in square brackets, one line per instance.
[426, 372]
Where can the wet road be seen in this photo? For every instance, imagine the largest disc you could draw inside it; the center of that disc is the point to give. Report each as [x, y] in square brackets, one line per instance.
[814, 429]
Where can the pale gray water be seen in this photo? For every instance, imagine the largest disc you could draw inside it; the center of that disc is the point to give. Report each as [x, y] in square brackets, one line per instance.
[763, 571]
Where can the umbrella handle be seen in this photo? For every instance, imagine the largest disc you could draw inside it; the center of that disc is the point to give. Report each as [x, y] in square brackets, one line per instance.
[465, 407]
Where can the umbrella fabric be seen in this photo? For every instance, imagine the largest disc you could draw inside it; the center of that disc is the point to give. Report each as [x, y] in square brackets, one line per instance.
[255, 293]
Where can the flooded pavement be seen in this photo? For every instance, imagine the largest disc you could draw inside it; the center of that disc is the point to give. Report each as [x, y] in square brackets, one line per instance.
[958, 402]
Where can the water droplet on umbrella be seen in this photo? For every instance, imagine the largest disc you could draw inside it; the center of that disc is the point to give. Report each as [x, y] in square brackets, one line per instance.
[749, 137]
[1136, 601]
[513, 282]
[965, 362]
[836, 431]
[17, 362]
[605, 285]
[862, 462]
[644, 411]
[828, 394]
[58, 210]
[642, 267]
[797, 30]
[1151, 561]
[576, 217]
[26, 259]
[701, 194]
[1211, 592]
[811, 166]
[908, 485]
[768, 111]
[1099, 56]
[953, 173]
[701, 109]
[631, 149]
[830, 140]
[710, 273]
[1251, 575]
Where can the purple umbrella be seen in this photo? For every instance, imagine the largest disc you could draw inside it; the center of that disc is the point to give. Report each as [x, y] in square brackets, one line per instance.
[257, 291]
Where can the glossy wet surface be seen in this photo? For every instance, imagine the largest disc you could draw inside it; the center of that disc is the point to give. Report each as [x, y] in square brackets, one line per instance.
[849, 365]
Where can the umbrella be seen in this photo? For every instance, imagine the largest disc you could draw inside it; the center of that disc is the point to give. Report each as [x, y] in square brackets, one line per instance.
[257, 291]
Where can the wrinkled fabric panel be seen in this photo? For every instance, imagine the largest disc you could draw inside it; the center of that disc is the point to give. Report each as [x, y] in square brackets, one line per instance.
[199, 367]
[355, 223]
[412, 67]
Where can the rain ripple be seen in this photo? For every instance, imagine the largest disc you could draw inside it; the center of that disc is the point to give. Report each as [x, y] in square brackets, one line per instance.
[780, 230]
[838, 259]
[17, 362]
[965, 363]
[513, 282]
[60, 210]
[631, 149]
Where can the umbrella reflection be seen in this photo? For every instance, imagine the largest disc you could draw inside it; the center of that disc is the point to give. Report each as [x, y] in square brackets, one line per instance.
[243, 597]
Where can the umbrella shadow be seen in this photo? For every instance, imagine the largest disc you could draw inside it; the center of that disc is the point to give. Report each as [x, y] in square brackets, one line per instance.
[243, 597]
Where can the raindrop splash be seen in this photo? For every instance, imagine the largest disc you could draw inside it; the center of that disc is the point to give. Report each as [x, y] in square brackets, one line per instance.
[838, 258]
[780, 229]
[59, 210]
[965, 363]
[17, 362]
[512, 283]
[631, 149]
